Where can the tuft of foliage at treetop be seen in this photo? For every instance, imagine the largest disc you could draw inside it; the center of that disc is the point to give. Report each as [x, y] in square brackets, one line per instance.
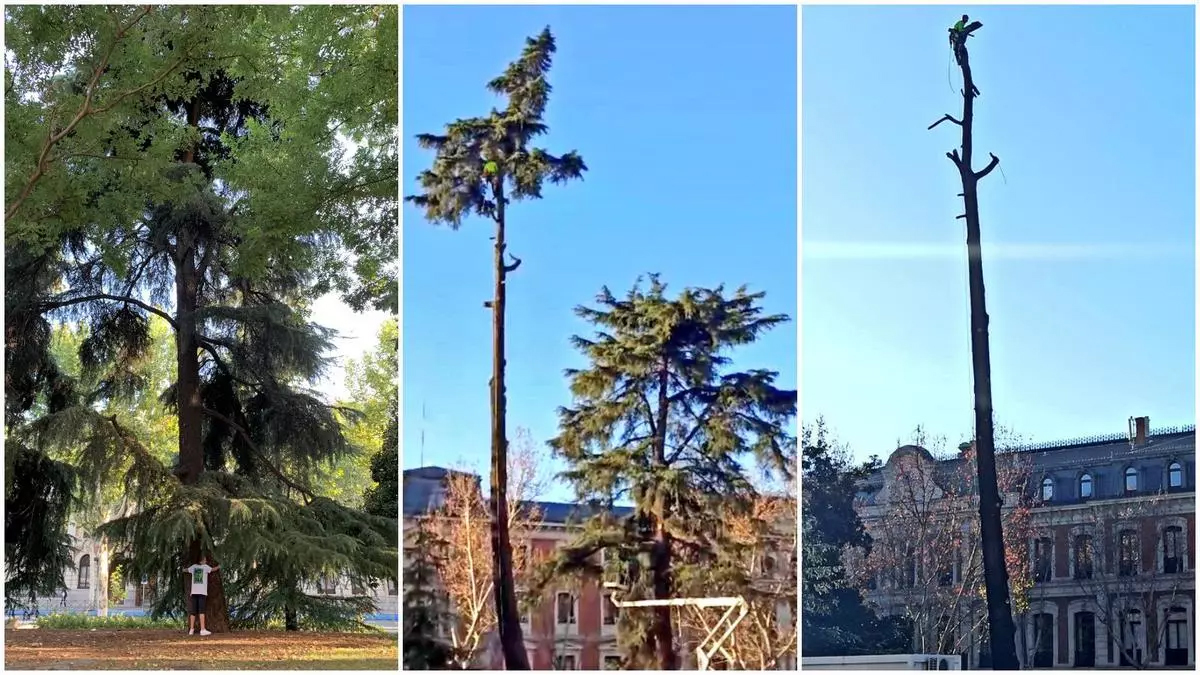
[661, 418]
[178, 162]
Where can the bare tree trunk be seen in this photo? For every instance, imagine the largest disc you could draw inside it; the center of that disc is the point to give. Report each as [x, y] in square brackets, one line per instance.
[1000, 621]
[508, 617]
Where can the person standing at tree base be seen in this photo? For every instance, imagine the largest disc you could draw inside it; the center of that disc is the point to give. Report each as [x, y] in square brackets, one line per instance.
[199, 581]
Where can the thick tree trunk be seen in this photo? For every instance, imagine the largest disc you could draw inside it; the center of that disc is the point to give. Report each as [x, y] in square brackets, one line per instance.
[662, 629]
[188, 399]
[508, 617]
[1000, 620]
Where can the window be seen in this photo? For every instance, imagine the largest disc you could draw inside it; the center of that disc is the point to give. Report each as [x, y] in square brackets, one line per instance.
[564, 609]
[1131, 476]
[768, 566]
[357, 588]
[1128, 553]
[85, 571]
[1083, 557]
[1043, 640]
[1131, 639]
[608, 611]
[1085, 640]
[1043, 559]
[392, 587]
[946, 573]
[1085, 486]
[1047, 489]
[564, 662]
[522, 609]
[1175, 475]
[612, 663]
[327, 585]
[1172, 549]
[1177, 638]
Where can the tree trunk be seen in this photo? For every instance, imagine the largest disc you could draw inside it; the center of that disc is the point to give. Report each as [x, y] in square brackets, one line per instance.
[508, 618]
[1000, 620]
[291, 622]
[188, 399]
[662, 629]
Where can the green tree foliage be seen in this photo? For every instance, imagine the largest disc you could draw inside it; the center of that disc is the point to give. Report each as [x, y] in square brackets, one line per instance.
[214, 167]
[661, 418]
[374, 396]
[483, 164]
[424, 612]
[834, 619]
[383, 498]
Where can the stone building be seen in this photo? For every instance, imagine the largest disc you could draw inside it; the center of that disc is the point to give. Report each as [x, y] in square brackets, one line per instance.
[1108, 525]
[575, 628]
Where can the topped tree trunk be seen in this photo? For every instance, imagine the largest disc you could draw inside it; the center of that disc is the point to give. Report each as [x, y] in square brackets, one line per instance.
[482, 165]
[1000, 621]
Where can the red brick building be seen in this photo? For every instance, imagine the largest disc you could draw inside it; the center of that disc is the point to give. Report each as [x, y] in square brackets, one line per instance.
[575, 628]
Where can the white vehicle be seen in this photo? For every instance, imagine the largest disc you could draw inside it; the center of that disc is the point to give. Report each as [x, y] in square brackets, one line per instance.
[872, 662]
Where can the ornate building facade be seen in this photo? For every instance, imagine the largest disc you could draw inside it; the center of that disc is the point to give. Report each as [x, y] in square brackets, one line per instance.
[1104, 535]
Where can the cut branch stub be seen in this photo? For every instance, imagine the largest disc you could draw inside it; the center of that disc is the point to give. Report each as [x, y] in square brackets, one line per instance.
[953, 155]
[943, 119]
[988, 169]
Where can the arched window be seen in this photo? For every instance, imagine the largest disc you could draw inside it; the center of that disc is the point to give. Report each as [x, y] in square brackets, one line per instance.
[85, 571]
[1131, 480]
[1175, 475]
[1047, 489]
[1085, 486]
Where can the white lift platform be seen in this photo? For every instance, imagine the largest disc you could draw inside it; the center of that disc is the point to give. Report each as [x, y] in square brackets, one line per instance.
[736, 610]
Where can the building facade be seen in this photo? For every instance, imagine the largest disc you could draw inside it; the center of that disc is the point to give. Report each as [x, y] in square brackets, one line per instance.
[1106, 526]
[575, 626]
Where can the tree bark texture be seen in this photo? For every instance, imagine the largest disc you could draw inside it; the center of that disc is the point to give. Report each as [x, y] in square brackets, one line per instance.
[508, 618]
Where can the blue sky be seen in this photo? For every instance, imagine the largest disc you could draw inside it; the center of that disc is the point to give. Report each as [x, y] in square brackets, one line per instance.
[1088, 234]
[686, 117]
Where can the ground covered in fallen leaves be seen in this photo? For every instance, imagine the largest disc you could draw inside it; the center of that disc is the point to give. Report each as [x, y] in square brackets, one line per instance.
[57, 649]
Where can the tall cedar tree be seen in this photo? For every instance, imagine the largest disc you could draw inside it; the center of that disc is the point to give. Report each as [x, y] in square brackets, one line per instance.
[1000, 620]
[155, 171]
[481, 165]
[660, 418]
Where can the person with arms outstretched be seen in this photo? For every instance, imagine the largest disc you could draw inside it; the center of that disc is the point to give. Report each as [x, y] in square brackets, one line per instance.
[199, 580]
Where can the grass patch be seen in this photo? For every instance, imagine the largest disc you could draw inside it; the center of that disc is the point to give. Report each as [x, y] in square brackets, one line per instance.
[115, 622]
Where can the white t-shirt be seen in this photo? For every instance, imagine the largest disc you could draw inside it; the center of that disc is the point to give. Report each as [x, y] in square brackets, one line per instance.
[200, 579]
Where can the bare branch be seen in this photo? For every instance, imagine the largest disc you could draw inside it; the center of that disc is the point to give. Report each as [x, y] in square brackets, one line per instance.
[944, 119]
[988, 169]
[953, 155]
[515, 264]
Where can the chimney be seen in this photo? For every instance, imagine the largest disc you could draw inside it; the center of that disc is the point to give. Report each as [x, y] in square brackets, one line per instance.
[1140, 428]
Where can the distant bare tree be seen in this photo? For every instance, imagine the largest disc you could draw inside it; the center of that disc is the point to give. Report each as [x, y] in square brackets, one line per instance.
[926, 559]
[464, 524]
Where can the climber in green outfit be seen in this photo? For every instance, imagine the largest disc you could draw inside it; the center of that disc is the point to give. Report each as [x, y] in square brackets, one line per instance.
[959, 33]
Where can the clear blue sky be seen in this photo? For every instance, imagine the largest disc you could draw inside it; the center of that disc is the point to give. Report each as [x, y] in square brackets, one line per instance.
[686, 117]
[1088, 235]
